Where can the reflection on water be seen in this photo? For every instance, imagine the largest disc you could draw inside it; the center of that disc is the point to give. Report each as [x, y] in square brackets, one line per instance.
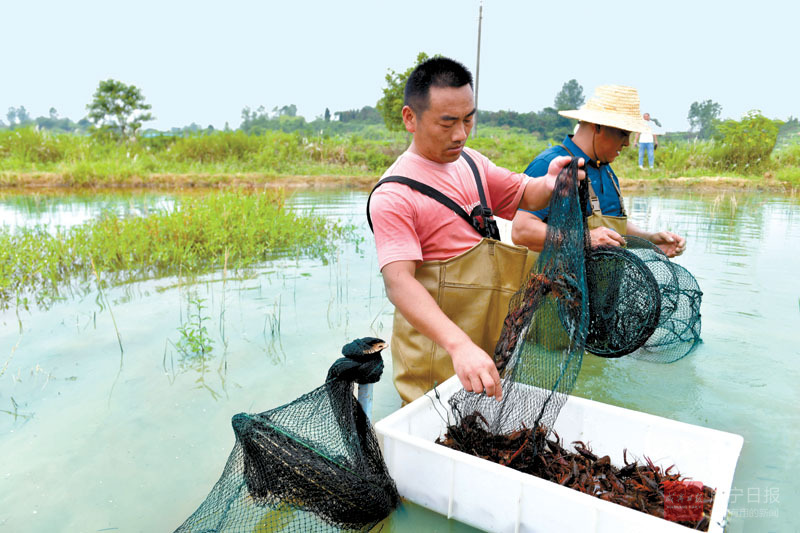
[73, 209]
[91, 434]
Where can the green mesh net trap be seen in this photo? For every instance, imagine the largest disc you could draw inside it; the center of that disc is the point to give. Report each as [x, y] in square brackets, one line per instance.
[312, 465]
[641, 303]
[608, 301]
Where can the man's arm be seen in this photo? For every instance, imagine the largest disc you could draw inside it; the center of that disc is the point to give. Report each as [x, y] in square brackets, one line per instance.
[474, 368]
[537, 191]
[529, 230]
[670, 243]
[636, 139]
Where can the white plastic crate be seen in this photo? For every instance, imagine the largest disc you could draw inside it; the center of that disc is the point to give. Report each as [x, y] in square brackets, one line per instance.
[499, 499]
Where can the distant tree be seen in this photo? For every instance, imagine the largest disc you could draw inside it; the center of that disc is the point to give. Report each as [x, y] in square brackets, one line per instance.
[702, 117]
[18, 116]
[247, 117]
[84, 124]
[366, 114]
[118, 109]
[22, 115]
[284, 111]
[390, 105]
[53, 113]
[327, 115]
[227, 126]
[570, 96]
[552, 125]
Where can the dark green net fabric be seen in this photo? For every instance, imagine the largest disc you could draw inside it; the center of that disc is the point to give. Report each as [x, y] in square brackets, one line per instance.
[312, 465]
[641, 303]
[542, 342]
[608, 301]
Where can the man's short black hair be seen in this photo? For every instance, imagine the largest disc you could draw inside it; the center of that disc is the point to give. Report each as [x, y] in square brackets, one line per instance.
[434, 72]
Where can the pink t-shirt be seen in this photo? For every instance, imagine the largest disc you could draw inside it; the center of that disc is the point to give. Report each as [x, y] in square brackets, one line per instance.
[410, 226]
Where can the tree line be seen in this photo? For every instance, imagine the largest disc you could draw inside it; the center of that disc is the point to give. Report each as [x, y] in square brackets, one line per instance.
[118, 111]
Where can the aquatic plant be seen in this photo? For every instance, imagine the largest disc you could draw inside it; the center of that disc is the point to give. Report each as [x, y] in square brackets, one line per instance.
[195, 343]
[198, 234]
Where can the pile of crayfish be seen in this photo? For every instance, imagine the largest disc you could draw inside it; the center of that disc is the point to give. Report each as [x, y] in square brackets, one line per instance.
[636, 486]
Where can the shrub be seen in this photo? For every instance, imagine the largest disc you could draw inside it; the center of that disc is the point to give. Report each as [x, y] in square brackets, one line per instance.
[747, 143]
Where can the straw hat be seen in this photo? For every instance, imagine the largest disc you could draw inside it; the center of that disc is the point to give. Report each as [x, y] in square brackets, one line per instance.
[611, 105]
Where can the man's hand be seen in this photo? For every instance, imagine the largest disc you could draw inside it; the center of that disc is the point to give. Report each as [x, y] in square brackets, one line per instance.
[537, 192]
[558, 164]
[476, 370]
[606, 236]
[670, 243]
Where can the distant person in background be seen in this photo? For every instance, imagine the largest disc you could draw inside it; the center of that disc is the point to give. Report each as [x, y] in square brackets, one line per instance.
[647, 141]
[606, 122]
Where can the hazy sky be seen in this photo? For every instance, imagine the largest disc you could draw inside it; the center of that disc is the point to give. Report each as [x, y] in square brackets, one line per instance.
[204, 61]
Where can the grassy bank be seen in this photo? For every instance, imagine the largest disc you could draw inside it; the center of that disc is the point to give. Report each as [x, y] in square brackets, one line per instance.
[28, 157]
[230, 230]
[31, 158]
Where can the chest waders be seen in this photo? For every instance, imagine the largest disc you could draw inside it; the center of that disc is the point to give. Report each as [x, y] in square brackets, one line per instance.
[597, 218]
[473, 289]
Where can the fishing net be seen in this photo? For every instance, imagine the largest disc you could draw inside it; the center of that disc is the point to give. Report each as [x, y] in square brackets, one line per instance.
[641, 303]
[678, 330]
[312, 465]
[542, 342]
[609, 301]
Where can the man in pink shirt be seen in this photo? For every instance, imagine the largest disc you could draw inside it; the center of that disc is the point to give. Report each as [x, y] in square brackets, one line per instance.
[450, 285]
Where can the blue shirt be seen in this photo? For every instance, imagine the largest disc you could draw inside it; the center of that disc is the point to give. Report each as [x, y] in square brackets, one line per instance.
[601, 178]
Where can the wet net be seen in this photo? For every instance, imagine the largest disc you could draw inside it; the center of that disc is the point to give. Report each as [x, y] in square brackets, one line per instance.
[641, 303]
[608, 301]
[677, 332]
[542, 342]
[312, 465]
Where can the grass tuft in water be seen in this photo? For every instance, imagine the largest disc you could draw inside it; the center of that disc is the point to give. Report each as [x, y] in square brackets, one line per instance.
[231, 230]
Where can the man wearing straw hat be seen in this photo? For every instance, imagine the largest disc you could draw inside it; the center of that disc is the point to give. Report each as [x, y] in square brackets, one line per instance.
[605, 124]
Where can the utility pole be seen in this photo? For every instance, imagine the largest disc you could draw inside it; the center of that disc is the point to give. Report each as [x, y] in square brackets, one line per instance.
[478, 65]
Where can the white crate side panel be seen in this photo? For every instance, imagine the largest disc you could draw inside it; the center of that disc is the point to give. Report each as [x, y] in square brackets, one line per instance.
[496, 498]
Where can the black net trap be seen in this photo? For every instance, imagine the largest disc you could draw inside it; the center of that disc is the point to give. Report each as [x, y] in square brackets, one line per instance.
[641, 303]
[608, 301]
[312, 465]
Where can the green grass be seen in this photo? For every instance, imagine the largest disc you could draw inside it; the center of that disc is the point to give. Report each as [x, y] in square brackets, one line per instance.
[200, 234]
[81, 160]
[29, 157]
[704, 158]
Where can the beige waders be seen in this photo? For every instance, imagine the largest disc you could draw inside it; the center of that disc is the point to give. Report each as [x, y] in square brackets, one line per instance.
[598, 219]
[473, 289]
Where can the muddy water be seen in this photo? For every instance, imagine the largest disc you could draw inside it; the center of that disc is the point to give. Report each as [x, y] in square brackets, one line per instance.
[94, 437]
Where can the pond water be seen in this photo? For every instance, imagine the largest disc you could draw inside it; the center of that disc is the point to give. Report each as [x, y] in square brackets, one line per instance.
[97, 437]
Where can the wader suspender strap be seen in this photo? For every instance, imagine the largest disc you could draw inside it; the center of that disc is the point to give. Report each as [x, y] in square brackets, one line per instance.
[595, 201]
[489, 224]
[489, 228]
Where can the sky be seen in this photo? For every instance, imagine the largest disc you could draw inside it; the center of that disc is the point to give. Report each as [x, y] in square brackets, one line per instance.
[202, 62]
